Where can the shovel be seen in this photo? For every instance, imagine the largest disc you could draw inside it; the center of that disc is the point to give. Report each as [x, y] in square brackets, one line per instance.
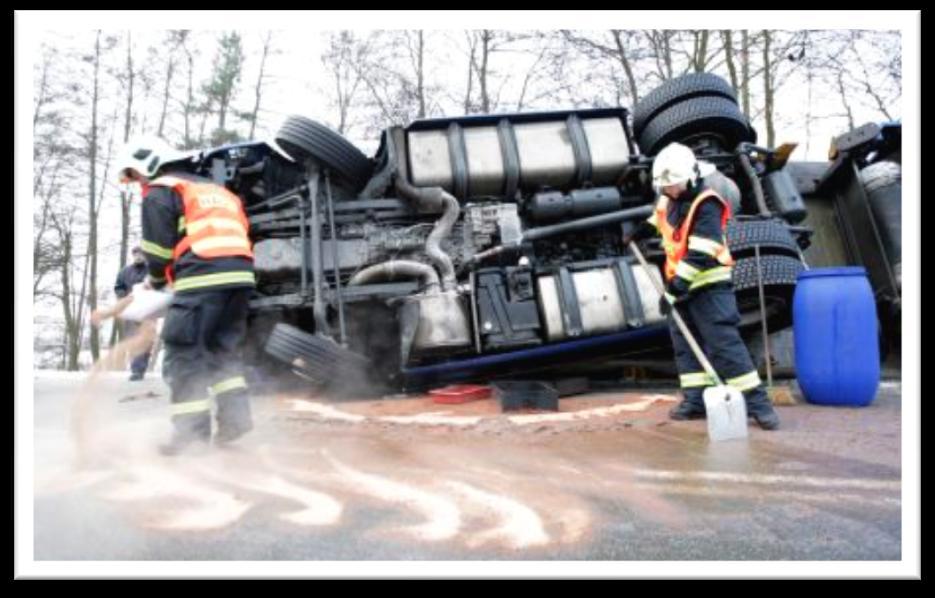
[725, 406]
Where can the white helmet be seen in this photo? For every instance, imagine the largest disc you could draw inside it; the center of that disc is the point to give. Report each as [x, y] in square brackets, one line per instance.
[676, 164]
[146, 154]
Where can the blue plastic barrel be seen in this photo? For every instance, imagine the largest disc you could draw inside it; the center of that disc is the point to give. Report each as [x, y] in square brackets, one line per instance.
[837, 353]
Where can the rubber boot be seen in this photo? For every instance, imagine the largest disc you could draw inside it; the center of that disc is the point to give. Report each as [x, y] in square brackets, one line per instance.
[191, 436]
[691, 407]
[234, 419]
[761, 410]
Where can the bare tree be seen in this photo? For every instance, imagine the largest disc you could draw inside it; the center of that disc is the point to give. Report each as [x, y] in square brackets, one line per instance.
[267, 43]
[92, 190]
[728, 47]
[745, 72]
[768, 89]
[345, 59]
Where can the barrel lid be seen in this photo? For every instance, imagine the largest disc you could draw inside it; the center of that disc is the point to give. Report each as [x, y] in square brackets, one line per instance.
[847, 271]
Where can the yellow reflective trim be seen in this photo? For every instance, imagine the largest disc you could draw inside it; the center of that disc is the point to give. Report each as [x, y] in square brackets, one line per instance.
[746, 382]
[705, 246]
[711, 276]
[220, 242]
[216, 223]
[190, 407]
[157, 250]
[653, 220]
[210, 280]
[228, 385]
[181, 224]
[686, 271]
[695, 380]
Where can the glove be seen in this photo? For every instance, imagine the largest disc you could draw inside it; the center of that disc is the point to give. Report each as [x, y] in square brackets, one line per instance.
[678, 289]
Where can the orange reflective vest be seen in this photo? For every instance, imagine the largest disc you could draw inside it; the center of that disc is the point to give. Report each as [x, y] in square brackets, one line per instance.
[215, 222]
[675, 241]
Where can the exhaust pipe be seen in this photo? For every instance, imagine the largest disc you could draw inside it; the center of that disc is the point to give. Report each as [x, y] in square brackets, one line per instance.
[433, 199]
[398, 269]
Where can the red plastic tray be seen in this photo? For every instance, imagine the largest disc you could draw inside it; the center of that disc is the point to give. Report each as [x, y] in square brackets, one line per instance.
[460, 393]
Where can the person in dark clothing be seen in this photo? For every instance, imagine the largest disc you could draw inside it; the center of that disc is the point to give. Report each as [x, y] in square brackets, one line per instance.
[131, 275]
[195, 237]
[692, 220]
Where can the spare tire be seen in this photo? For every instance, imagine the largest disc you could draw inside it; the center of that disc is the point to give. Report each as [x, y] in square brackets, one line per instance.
[318, 359]
[780, 274]
[303, 137]
[716, 116]
[677, 90]
[771, 235]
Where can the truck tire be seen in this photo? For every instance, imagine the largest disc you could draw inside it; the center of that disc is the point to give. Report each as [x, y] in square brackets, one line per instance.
[771, 235]
[717, 116]
[318, 359]
[678, 90]
[780, 274]
[303, 137]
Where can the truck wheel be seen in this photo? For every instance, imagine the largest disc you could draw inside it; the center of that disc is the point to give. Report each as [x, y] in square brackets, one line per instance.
[319, 360]
[304, 138]
[771, 235]
[678, 90]
[713, 116]
[780, 274]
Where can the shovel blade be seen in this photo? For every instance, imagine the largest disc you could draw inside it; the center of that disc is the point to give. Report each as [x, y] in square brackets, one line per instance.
[726, 413]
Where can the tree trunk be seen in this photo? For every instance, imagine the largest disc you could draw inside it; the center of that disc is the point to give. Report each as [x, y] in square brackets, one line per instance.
[627, 68]
[190, 102]
[420, 73]
[259, 83]
[745, 72]
[92, 196]
[768, 90]
[729, 58]
[170, 69]
[482, 72]
[470, 83]
[701, 57]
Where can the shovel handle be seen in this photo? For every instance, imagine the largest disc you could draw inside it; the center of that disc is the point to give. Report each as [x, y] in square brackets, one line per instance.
[699, 354]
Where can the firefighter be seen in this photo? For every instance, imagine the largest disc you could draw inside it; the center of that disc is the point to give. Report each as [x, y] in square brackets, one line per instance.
[691, 218]
[128, 277]
[195, 237]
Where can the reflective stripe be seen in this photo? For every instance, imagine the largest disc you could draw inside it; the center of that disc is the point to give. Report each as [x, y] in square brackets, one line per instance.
[228, 385]
[670, 297]
[711, 276]
[216, 223]
[216, 242]
[652, 220]
[686, 271]
[157, 250]
[705, 246]
[210, 280]
[190, 407]
[181, 224]
[745, 382]
[696, 380]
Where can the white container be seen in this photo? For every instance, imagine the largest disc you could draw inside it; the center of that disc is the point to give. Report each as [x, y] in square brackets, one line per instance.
[146, 304]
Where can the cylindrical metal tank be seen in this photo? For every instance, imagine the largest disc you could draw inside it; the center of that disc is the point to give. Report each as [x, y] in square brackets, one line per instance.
[497, 157]
[597, 300]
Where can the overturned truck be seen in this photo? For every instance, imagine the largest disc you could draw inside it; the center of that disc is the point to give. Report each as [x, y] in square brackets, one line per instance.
[489, 245]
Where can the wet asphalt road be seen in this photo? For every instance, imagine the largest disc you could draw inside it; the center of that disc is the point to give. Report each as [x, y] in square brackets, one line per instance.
[825, 487]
